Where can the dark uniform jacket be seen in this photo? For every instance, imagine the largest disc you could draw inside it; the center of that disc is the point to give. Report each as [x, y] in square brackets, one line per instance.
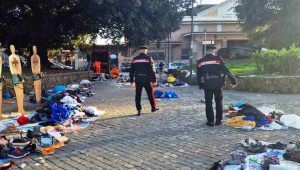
[142, 70]
[211, 72]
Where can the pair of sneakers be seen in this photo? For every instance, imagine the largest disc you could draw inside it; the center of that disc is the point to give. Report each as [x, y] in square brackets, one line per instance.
[152, 110]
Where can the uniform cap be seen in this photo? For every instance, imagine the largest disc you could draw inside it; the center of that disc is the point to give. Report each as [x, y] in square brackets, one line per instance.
[210, 46]
[143, 47]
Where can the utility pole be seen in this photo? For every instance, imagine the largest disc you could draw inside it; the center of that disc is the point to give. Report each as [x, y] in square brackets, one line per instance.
[192, 39]
[168, 52]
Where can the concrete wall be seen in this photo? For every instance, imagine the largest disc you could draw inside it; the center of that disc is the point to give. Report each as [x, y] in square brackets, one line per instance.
[282, 84]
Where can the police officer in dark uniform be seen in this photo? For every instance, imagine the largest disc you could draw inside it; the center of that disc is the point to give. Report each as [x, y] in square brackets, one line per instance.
[211, 73]
[142, 73]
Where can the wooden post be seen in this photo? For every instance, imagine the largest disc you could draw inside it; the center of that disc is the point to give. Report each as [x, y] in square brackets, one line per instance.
[36, 69]
[16, 69]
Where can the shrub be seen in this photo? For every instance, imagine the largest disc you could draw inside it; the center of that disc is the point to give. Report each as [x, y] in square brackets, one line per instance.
[284, 61]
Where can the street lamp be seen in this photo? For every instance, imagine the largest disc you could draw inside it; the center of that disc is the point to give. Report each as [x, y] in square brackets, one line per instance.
[192, 39]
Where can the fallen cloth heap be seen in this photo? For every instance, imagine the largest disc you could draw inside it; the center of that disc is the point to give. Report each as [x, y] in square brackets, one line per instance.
[171, 82]
[43, 131]
[247, 117]
[165, 94]
[260, 155]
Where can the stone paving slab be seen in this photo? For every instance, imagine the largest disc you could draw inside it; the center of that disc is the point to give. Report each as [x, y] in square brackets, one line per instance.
[173, 138]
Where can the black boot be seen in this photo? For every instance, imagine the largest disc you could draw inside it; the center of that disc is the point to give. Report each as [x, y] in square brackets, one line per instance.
[139, 113]
[210, 124]
[155, 109]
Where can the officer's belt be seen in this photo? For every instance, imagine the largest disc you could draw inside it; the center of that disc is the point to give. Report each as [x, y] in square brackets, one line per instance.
[141, 75]
[214, 76]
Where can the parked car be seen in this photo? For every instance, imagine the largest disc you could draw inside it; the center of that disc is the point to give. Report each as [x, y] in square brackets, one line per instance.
[173, 66]
[58, 65]
[125, 67]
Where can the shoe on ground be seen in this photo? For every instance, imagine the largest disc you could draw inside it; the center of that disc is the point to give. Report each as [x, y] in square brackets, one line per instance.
[218, 123]
[139, 113]
[209, 124]
[155, 109]
[249, 142]
[7, 165]
[17, 153]
[20, 143]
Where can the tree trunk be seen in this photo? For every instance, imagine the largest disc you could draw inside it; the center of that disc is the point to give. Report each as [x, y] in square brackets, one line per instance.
[42, 52]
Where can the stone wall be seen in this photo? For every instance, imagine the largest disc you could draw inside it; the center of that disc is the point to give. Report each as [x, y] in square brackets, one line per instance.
[51, 80]
[280, 84]
[65, 78]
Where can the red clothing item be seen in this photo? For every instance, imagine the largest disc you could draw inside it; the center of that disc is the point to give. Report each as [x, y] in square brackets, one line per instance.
[97, 66]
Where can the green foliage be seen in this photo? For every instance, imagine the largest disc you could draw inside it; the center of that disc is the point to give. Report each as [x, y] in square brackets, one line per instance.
[52, 24]
[284, 61]
[237, 67]
[271, 23]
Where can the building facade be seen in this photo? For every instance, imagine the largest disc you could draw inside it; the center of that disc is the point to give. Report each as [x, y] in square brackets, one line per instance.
[216, 25]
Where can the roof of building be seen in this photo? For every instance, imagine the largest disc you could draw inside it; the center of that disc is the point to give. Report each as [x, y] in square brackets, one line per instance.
[222, 12]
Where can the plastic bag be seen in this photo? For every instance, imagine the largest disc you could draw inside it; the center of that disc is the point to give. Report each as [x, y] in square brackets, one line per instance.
[291, 120]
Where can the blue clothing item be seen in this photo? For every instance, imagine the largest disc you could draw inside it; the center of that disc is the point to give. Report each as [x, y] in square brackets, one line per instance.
[158, 93]
[249, 118]
[59, 113]
[6, 95]
[263, 122]
[170, 94]
[240, 104]
[59, 88]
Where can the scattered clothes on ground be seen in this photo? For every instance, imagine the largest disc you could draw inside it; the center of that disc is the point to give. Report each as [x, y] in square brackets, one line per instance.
[43, 131]
[171, 79]
[260, 155]
[171, 82]
[115, 72]
[165, 94]
[239, 122]
[247, 117]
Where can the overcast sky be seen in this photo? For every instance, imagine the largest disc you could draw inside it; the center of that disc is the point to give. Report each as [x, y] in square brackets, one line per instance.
[211, 1]
[103, 41]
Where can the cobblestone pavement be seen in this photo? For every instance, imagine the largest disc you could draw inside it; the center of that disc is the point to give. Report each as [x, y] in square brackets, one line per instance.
[173, 138]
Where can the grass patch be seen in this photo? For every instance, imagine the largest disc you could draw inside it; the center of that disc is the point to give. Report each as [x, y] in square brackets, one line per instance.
[242, 67]
[237, 67]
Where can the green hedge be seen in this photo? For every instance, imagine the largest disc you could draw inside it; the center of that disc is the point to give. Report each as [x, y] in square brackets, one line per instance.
[284, 61]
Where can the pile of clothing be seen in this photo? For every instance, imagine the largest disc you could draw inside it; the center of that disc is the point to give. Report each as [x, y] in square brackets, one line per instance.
[165, 94]
[172, 81]
[260, 155]
[123, 80]
[78, 91]
[43, 131]
[247, 117]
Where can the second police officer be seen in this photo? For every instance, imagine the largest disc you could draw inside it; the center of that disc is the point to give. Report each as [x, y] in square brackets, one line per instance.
[211, 72]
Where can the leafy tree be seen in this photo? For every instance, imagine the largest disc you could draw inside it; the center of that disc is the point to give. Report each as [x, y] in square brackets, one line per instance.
[270, 23]
[54, 24]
